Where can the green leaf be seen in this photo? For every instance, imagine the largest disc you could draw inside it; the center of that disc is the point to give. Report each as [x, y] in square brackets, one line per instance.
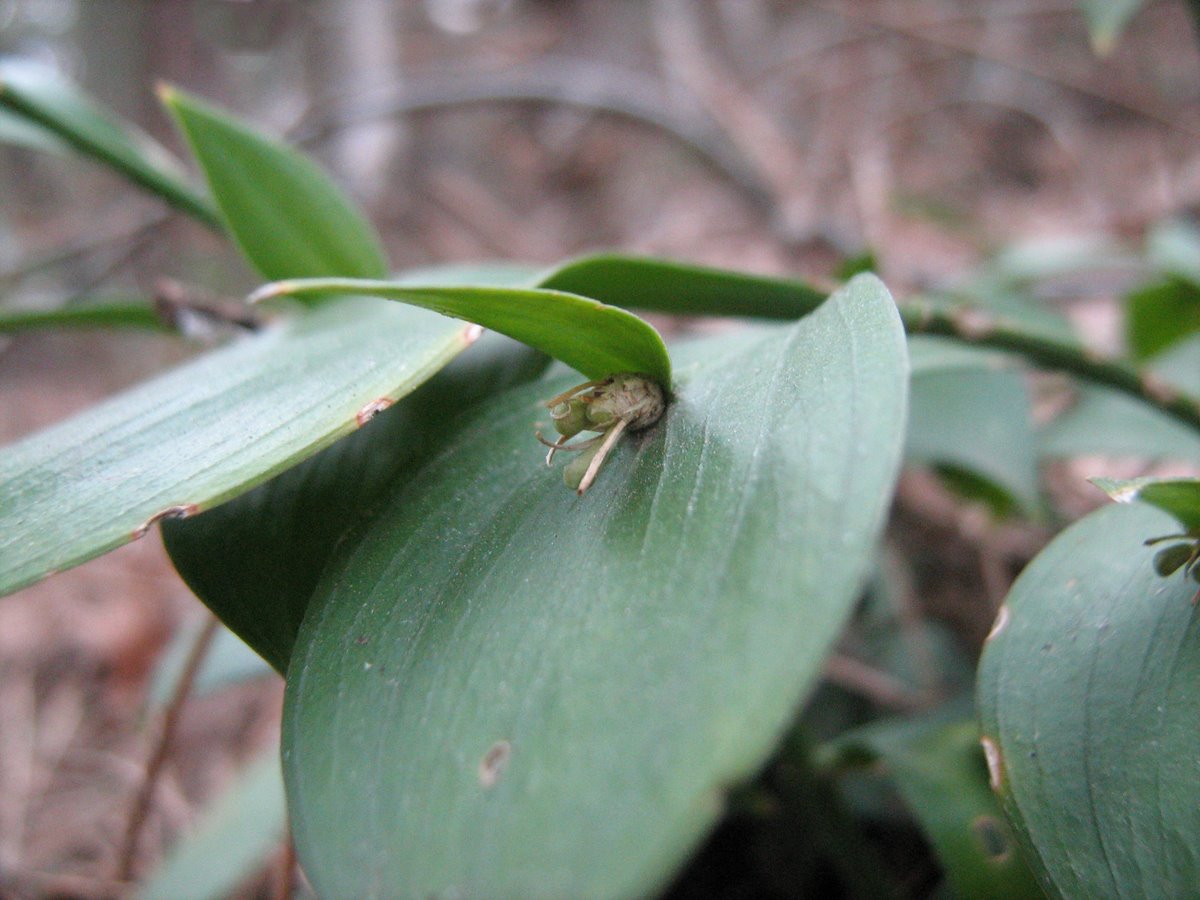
[108, 313]
[1103, 421]
[1160, 315]
[39, 96]
[208, 431]
[593, 338]
[1106, 20]
[18, 131]
[977, 420]
[228, 661]
[504, 689]
[1180, 497]
[940, 771]
[233, 839]
[1088, 690]
[680, 288]
[255, 560]
[287, 216]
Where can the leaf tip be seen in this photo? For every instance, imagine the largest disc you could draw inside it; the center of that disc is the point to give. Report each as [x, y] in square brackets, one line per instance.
[167, 93]
[270, 291]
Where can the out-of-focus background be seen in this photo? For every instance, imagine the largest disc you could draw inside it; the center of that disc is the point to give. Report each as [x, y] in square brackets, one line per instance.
[779, 137]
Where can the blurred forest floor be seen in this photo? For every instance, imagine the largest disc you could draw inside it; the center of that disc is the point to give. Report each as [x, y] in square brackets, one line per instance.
[769, 136]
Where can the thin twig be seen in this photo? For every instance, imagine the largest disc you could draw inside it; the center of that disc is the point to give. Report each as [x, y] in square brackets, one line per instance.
[285, 880]
[171, 716]
[922, 34]
[553, 82]
[878, 686]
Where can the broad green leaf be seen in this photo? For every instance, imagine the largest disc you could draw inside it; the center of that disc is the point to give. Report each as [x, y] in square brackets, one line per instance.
[233, 839]
[1103, 421]
[287, 216]
[1088, 691]
[255, 560]
[38, 95]
[940, 771]
[929, 355]
[229, 661]
[1106, 20]
[977, 420]
[208, 431]
[504, 689]
[587, 335]
[108, 313]
[1180, 497]
[680, 288]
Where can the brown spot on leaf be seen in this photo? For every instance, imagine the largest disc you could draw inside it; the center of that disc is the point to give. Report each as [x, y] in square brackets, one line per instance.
[992, 839]
[372, 409]
[180, 511]
[493, 763]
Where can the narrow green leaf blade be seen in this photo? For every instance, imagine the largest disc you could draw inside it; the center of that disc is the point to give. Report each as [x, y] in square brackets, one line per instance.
[1180, 497]
[39, 96]
[1088, 690]
[589, 336]
[504, 689]
[680, 288]
[233, 839]
[284, 212]
[208, 431]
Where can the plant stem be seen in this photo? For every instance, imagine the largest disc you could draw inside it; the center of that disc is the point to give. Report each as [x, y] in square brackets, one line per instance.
[141, 803]
[979, 327]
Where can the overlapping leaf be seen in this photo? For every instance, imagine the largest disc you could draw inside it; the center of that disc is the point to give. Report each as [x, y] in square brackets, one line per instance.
[502, 688]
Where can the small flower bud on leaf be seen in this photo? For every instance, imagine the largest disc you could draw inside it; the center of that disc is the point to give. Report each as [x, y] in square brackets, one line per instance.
[612, 406]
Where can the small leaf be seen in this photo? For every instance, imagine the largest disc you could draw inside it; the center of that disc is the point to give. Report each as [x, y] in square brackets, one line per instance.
[1088, 690]
[1162, 314]
[288, 217]
[208, 430]
[460, 719]
[593, 338]
[233, 839]
[1170, 559]
[1180, 497]
[38, 95]
[940, 771]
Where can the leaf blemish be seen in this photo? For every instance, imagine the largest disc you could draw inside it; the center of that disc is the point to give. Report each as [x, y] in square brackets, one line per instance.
[493, 763]
[995, 763]
[372, 409]
[992, 840]
[1002, 618]
[180, 511]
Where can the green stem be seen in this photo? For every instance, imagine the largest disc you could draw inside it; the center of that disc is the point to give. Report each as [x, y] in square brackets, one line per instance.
[94, 315]
[981, 328]
[175, 192]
